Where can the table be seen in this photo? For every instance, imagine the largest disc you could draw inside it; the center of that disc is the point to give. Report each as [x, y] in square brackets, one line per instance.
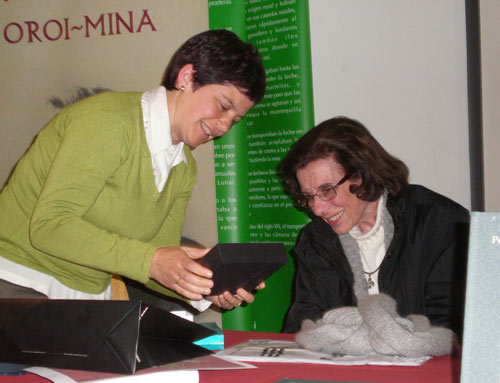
[445, 369]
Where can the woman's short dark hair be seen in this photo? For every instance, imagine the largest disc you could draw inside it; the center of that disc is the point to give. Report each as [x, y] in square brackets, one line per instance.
[352, 146]
[219, 56]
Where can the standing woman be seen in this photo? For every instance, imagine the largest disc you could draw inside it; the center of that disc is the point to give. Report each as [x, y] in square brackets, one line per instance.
[372, 232]
[104, 187]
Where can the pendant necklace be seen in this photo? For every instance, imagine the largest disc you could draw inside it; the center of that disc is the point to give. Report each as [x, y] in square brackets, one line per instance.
[370, 283]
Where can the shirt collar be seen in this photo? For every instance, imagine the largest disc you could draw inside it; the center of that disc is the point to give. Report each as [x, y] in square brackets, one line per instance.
[164, 154]
[356, 232]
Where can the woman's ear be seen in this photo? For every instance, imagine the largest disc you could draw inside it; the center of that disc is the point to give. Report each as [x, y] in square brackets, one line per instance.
[356, 180]
[185, 77]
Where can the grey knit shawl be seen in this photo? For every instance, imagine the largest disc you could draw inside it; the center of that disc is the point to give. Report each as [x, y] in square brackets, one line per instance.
[374, 327]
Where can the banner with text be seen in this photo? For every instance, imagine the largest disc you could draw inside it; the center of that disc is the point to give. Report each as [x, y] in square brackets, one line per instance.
[251, 204]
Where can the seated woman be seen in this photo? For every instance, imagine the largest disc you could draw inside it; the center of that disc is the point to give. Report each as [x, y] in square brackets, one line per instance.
[372, 232]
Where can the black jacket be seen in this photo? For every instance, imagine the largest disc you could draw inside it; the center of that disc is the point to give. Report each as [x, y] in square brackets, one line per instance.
[423, 269]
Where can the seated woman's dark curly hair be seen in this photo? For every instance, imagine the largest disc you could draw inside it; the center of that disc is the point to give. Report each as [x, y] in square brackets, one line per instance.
[352, 146]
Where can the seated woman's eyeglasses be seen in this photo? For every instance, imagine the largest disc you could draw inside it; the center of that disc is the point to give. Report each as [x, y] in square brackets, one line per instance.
[326, 192]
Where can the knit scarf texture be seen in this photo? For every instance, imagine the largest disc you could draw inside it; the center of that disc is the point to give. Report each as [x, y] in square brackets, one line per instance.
[374, 327]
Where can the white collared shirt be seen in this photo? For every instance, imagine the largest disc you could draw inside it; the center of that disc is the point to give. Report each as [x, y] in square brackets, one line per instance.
[372, 247]
[164, 155]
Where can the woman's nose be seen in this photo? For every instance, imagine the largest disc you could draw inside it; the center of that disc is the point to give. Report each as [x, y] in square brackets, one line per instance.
[319, 206]
[224, 125]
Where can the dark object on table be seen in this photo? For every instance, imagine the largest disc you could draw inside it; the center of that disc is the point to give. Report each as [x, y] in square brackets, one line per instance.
[137, 292]
[12, 369]
[243, 265]
[107, 336]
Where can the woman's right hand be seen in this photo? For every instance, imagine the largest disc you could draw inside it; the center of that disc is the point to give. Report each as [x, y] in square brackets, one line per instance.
[175, 267]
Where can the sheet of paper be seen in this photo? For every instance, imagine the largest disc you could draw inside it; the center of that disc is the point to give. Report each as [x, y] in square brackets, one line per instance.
[156, 377]
[153, 377]
[208, 362]
[183, 372]
[50, 374]
[263, 350]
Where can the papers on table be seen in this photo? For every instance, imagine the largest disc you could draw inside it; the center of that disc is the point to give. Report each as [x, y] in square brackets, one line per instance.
[263, 350]
[185, 371]
[156, 377]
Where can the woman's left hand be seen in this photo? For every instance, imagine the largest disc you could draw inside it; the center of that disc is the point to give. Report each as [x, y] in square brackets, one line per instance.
[229, 301]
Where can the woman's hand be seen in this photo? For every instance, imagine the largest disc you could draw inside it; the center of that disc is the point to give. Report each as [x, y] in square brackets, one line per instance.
[229, 301]
[175, 268]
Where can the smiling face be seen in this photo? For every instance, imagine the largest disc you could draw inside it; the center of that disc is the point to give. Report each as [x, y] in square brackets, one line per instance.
[202, 114]
[344, 211]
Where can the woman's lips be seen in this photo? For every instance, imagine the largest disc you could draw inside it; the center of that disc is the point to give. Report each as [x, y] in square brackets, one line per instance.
[335, 218]
[206, 129]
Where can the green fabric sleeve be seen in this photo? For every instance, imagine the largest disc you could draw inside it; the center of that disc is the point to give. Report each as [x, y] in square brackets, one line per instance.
[171, 230]
[88, 155]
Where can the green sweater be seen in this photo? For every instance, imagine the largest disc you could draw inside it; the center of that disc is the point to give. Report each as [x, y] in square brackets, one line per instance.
[82, 203]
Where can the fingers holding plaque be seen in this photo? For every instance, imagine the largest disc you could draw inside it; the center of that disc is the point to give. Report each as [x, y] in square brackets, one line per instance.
[244, 265]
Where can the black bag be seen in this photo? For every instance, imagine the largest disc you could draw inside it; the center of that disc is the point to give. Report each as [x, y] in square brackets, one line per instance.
[106, 336]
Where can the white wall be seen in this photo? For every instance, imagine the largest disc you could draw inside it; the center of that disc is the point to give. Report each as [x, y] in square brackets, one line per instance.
[399, 67]
[490, 58]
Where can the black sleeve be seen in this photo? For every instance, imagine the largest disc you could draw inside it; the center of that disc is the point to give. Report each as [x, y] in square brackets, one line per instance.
[445, 283]
[306, 304]
[318, 286]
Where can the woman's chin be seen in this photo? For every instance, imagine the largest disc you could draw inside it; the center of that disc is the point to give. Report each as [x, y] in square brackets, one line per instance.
[340, 232]
[339, 229]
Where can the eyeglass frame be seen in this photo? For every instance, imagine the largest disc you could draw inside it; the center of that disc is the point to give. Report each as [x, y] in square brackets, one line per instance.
[319, 194]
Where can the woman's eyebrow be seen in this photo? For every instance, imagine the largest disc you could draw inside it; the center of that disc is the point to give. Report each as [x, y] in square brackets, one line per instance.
[322, 186]
[326, 184]
[230, 101]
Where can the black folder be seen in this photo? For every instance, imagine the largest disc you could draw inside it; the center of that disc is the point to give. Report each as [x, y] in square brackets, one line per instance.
[106, 336]
[244, 265]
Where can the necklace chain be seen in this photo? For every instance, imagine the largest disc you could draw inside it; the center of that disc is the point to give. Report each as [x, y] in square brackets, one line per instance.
[370, 282]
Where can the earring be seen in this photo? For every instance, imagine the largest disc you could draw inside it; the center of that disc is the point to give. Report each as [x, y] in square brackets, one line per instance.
[182, 88]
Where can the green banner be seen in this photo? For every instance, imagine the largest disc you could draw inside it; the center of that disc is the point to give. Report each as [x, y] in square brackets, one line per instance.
[251, 204]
